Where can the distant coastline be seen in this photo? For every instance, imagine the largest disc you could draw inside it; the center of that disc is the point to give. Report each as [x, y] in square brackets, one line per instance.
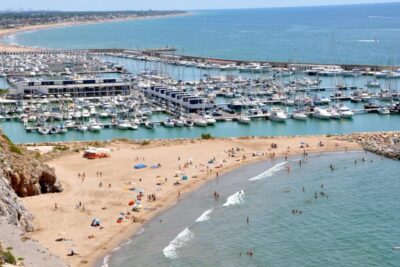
[7, 47]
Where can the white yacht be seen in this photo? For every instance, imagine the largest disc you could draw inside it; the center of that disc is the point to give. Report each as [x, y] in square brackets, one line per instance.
[345, 112]
[278, 114]
[299, 115]
[94, 126]
[244, 119]
[168, 123]
[321, 113]
[200, 122]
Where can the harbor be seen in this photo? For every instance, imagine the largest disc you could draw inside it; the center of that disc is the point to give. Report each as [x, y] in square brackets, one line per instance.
[55, 93]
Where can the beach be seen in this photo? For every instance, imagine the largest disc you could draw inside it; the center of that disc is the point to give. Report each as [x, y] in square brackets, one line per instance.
[5, 47]
[107, 186]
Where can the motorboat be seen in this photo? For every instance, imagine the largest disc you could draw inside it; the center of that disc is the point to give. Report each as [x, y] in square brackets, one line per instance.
[201, 122]
[299, 115]
[94, 126]
[244, 119]
[277, 114]
[321, 113]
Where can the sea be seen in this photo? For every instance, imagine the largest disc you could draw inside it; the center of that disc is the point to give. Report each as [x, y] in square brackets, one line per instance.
[310, 216]
[367, 34]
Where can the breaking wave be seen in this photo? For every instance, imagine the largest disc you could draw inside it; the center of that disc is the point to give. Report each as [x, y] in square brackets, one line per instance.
[205, 216]
[269, 172]
[180, 241]
[235, 199]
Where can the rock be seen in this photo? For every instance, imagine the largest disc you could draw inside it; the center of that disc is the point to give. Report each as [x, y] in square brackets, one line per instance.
[11, 208]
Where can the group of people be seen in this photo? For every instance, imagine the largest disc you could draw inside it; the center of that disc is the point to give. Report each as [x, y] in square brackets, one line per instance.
[151, 197]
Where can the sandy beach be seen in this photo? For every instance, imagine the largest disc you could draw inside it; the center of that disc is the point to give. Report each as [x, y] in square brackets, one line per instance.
[68, 215]
[5, 47]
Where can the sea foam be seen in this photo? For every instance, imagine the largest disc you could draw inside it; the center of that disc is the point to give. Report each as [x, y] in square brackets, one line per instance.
[105, 261]
[180, 241]
[269, 172]
[235, 199]
[205, 216]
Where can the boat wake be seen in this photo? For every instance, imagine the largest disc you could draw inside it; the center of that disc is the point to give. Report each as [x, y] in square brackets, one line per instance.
[205, 216]
[269, 172]
[235, 199]
[180, 241]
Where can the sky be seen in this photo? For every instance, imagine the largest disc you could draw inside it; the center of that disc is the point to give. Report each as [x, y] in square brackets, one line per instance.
[72, 5]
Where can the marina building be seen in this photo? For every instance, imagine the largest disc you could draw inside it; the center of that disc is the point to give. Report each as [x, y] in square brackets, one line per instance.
[75, 88]
[178, 99]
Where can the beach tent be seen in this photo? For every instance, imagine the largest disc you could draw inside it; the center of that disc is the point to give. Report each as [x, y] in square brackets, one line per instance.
[140, 166]
[95, 222]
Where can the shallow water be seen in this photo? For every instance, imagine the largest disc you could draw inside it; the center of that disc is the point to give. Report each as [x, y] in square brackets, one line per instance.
[356, 223]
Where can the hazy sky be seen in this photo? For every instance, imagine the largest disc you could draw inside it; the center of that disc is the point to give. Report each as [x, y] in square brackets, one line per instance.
[166, 4]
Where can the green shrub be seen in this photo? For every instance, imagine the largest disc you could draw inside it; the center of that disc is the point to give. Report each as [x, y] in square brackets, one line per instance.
[9, 257]
[13, 147]
[206, 136]
[145, 143]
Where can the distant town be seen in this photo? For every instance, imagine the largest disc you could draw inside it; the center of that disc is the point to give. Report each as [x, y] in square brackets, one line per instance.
[16, 19]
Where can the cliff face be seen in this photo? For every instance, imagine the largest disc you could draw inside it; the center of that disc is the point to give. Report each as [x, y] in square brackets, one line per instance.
[12, 211]
[21, 175]
[27, 175]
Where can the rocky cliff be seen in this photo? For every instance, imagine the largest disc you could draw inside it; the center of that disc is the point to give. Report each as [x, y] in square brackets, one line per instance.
[21, 175]
[26, 174]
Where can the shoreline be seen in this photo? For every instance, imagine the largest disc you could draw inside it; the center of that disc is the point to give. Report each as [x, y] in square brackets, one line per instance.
[39, 205]
[7, 47]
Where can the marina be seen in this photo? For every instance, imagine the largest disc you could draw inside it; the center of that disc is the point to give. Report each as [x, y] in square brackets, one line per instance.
[86, 91]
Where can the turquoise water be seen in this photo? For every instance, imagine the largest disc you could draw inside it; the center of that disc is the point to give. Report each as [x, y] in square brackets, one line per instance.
[356, 223]
[345, 34]
[360, 123]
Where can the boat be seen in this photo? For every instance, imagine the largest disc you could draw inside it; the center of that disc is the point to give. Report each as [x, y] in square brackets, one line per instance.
[277, 114]
[384, 111]
[82, 128]
[299, 115]
[94, 126]
[123, 125]
[244, 119]
[168, 123]
[200, 122]
[149, 125]
[179, 123]
[189, 123]
[345, 112]
[322, 114]
[44, 130]
[210, 119]
[54, 130]
[335, 114]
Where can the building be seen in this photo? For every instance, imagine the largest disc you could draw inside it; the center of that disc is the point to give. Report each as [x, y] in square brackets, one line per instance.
[178, 99]
[74, 88]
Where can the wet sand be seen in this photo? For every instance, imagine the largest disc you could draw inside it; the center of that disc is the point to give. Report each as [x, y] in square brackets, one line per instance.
[71, 221]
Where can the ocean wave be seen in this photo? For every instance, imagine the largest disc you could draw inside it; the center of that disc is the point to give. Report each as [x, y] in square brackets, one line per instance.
[269, 172]
[141, 231]
[234, 199]
[105, 261]
[180, 241]
[205, 216]
[368, 41]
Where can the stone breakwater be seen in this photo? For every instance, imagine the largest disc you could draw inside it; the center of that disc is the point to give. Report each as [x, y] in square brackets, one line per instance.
[382, 143]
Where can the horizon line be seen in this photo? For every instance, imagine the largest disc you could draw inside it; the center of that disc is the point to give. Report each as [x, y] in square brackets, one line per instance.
[202, 9]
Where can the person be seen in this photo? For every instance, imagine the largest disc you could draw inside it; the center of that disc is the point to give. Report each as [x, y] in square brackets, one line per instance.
[248, 220]
[72, 253]
[303, 189]
[55, 206]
